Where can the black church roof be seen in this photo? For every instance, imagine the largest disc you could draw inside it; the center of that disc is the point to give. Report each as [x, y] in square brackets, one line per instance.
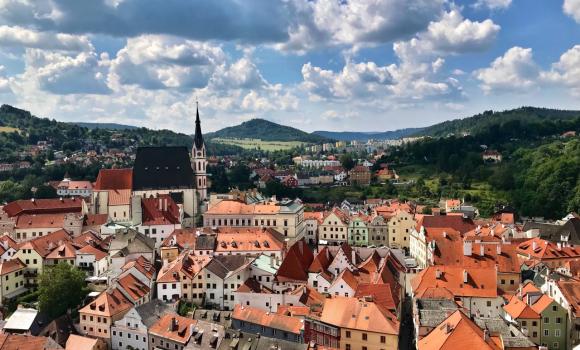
[162, 168]
[198, 137]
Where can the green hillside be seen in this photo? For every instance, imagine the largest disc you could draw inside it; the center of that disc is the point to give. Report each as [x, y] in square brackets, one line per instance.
[482, 121]
[266, 131]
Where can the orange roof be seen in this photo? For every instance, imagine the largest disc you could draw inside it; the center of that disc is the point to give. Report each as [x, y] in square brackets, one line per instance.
[321, 261]
[481, 282]
[119, 197]
[45, 245]
[229, 207]
[133, 287]
[354, 313]
[173, 327]
[96, 219]
[186, 263]
[25, 342]
[89, 249]
[541, 304]
[457, 223]
[295, 265]
[381, 294]
[9, 242]
[247, 240]
[43, 206]
[314, 215]
[348, 277]
[457, 332]
[109, 303]
[114, 179]
[63, 251]
[571, 291]
[142, 265]
[40, 221]
[452, 202]
[537, 248]
[160, 211]
[518, 309]
[76, 185]
[266, 319]
[77, 342]
[10, 266]
[342, 216]
[182, 237]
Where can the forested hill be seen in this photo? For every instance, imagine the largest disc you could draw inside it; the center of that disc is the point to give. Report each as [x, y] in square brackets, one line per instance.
[365, 136]
[481, 122]
[267, 131]
[110, 126]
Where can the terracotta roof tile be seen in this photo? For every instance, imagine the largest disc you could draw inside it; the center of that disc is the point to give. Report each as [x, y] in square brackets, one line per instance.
[481, 282]
[133, 287]
[355, 313]
[43, 206]
[89, 249]
[271, 320]
[248, 240]
[10, 266]
[516, 308]
[45, 245]
[109, 303]
[114, 179]
[571, 291]
[173, 327]
[160, 211]
[295, 265]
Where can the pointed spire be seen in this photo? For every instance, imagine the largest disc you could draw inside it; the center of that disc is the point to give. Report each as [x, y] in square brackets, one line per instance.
[198, 137]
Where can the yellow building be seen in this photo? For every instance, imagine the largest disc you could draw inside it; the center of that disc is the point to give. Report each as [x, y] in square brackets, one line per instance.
[334, 227]
[11, 279]
[400, 226]
[363, 325]
[97, 317]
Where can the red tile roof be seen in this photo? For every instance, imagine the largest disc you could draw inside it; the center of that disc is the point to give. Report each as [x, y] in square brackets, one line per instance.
[253, 240]
[46, 244]
[355, 313]
[458, 223]
[142, 265]
[266, 319]
[571, 291]
[295, 265]
[160, 211]
[133, 287]
[43, 206]
[89, 249]
[96, 219]
[182, 237]
[10, 266]
[481, 282]
[109, 303]
[187, 263]
[457, 332]
[516, 308]
[25, 342]
[64, 251]
[540, 249]
[114, 179]
[173, 327]
[381, 294]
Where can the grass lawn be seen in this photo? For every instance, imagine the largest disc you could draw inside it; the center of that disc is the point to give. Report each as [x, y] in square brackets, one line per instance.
[259, 144]
[8, 129]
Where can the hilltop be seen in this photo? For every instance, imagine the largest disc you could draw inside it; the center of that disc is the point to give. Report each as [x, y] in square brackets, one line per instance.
[265, 130]
[108, 126]
[483, 121]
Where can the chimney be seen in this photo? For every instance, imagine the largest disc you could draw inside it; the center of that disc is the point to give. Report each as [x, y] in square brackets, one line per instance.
[481, 250]
[353, 254]
[559, 245]
[172, 325]
[467, 247]
[498, 249]
[534, 245]
[485, 335]
[160, 206]
[164, 204]
[438, 274]
[191, 329]
[327, 254]
[444, 234]
[465, 275]
[301, 246]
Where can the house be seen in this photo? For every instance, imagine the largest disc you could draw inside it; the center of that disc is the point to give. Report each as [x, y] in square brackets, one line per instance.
[476, 288]
[182, 278]
[358, 231]
[458, 331]
[18, 341]
[378, 231]
[77, 342]
[293, 271]
[24, 321]
[63, 253]
[360, 175]
[92, 260]
[256, 295]
[142, 269]
[311, 220]
[223, 275]
[68, 187]
[527, 320]
[97, 317]
[172, 332]
[354, 323]
[8, 247]
[452, 205]
[37, 225]
[249, 242]
[160, 217]
[129, 245]
[11, 279]
[286, 217]
[255, 320]
[334, 228]
[112, 195]
[133, 289]
[132, 329]
[567, 294]
[549, 253]
[491, 156]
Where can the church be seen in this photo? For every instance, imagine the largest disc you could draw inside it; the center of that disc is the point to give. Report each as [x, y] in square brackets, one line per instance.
[171, 171]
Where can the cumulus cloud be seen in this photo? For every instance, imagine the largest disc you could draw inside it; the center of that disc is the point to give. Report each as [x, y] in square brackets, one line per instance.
[59, 73]
[515, 70]
[566, 71]
[572, 9]
[159, 61]
[452, 34]
[25, 38]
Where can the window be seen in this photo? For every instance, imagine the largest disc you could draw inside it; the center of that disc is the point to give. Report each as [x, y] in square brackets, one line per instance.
[364, 336]
[524, 323]
[488, 303]
[347, 346]
[554, 308]
[546, 332]
[347, 334]
[546, 320]
[556, 333]
[555, 345]
[558, 320]
[383, 339]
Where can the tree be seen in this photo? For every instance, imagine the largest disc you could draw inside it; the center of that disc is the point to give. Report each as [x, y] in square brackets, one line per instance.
[45, 191]
[61, 287]
[347, 161]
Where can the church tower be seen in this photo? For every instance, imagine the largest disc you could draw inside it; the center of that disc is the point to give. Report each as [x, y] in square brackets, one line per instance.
[198, 160]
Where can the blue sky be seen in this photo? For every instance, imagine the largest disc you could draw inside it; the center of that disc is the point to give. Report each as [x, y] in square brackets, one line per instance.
[363, 65]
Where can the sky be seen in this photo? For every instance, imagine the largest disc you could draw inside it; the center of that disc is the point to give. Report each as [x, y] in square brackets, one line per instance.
[340, 65]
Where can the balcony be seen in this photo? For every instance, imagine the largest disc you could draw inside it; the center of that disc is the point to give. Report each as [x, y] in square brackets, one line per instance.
[32, 273]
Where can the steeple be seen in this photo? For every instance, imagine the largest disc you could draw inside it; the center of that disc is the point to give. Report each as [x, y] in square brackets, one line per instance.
[198, 137]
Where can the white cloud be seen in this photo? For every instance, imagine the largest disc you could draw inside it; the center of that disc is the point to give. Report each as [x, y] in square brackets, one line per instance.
[452, 34]
[60, 73]
[493, 4]
[572, 9]
[24, 38]
[566, 71]
[158, 62]
[515, 70]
